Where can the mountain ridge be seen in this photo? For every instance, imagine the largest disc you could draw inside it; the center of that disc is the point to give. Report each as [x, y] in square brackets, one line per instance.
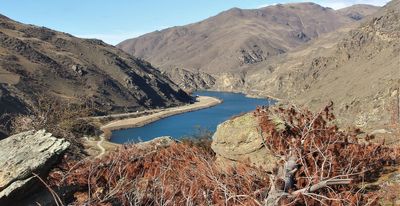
[236, 38]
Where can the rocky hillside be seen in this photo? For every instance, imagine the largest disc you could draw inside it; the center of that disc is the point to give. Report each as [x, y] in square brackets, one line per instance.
[236, 38]
[36, 60]
[360, 72]
[363, 73]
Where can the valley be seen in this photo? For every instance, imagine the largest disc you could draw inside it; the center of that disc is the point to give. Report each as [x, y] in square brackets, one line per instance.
[311, 71]
[294, 103]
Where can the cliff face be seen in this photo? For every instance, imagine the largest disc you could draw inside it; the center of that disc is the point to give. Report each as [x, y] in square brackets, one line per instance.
[36, 60]
[237, 38]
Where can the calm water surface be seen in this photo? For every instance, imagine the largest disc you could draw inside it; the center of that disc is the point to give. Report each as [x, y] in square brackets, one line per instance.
[188, 124]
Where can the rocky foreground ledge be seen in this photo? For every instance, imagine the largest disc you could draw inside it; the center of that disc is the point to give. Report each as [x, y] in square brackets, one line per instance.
[23, 154]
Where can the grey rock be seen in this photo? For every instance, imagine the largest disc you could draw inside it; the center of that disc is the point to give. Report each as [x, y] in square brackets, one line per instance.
[26, 153]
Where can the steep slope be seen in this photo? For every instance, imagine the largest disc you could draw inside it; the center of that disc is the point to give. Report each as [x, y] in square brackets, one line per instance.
[36, 60]
[236, 38]
[363, 73]
[360, 72]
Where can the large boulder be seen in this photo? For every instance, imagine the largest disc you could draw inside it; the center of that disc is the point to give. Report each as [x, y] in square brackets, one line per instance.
[239, 140]
[23, 154]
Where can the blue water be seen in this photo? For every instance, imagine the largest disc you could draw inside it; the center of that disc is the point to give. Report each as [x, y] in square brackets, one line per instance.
[187, 124]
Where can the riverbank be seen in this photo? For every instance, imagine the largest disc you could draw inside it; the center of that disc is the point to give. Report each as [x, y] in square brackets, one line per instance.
[201, 103]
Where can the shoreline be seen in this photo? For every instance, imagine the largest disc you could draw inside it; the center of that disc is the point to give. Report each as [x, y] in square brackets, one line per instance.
[202, 102]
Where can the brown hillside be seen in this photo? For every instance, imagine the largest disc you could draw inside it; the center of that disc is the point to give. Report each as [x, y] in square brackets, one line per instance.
[363, 73]
[36, 60]
[236, 38]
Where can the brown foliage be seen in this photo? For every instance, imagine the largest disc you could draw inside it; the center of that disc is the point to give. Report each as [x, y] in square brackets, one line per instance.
[177, 175]
[331, 167]
[322, 152]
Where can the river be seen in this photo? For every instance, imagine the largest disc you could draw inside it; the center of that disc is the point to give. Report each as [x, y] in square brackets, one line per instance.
[190, 123]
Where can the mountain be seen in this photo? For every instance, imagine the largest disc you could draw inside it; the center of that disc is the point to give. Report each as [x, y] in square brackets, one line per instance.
[36, 60]
[354, 62]
[237, 38]
[358, 11]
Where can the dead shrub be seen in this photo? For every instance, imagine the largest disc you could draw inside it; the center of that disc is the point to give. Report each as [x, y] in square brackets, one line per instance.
[176, 175]
[322, 165]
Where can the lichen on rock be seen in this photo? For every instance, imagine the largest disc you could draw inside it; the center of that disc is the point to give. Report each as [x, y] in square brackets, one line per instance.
[239, 140]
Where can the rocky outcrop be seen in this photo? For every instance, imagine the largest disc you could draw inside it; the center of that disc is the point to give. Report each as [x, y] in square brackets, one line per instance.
[23, 154]
[238, 140]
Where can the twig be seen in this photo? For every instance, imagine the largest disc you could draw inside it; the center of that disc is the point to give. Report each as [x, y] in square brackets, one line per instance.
[56, 198]
[321, 185]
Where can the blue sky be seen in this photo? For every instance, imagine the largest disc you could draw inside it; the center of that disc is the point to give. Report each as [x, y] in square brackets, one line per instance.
[116, 20]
